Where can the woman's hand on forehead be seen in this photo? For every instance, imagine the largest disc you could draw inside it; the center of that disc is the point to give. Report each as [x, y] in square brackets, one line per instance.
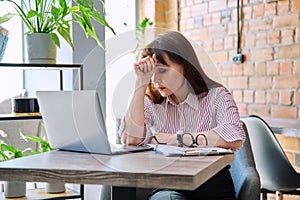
[145, 64]
[144, 68]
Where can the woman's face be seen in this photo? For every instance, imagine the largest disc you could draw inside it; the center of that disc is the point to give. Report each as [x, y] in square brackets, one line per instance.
[169, 79]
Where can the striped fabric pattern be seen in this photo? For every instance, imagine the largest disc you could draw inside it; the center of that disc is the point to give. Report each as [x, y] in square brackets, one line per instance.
[215, 111]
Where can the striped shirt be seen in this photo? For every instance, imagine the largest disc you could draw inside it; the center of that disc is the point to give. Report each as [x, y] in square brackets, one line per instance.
[215, 111]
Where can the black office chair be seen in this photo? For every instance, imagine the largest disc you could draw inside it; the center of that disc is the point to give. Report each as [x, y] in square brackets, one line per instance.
[277, 175]
[243, 172]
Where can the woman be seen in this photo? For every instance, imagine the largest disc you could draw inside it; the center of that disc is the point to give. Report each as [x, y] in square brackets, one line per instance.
[176, 103]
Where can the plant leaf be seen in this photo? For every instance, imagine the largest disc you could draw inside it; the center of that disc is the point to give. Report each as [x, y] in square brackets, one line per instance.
[79, 19]
[93, 34]
[44, 144]
[85, 3]
[22, 136]
[74, 9]
[86, 17]
[6, 147]
[64, 6]
[6, 17]
[52, 16]
[33, 138]
[96, 16]
[3, 134]
[55, 38]
[31, 14]
[3, 156]
[55, 12]
[1, 142]
[27, 149]
[27, 22]
[144, 23]
[18, 154]
[65, 33]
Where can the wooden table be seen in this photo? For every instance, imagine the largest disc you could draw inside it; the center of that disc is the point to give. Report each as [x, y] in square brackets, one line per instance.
[145, 169]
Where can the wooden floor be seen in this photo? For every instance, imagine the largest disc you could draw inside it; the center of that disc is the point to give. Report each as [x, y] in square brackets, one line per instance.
[285, 197]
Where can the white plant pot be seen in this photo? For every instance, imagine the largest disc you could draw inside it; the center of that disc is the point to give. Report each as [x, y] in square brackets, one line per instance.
[14, 189]
[40, 48]
[55, 188]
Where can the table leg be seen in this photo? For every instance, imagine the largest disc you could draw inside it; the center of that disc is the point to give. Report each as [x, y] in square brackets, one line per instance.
[124, 193]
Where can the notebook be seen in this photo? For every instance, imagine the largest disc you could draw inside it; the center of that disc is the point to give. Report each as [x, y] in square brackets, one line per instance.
[74, 121]
[169, 150]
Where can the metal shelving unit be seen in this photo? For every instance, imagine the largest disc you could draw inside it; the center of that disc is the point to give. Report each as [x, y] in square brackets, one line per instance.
[33, 193]
[60, 67]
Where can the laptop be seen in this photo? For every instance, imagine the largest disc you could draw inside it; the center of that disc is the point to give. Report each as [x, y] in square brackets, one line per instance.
[74, 121]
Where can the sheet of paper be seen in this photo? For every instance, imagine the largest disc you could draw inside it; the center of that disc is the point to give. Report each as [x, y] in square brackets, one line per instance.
[169, 150]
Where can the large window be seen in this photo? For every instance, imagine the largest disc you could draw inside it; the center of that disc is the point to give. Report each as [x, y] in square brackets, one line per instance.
[11, 80]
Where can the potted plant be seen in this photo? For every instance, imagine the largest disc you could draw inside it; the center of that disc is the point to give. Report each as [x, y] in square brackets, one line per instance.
[52, 18]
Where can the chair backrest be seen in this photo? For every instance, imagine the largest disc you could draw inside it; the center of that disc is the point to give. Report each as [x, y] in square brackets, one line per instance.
[244, 174]
[273, 167]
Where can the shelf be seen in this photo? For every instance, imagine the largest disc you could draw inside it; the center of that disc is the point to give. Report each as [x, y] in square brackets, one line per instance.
[40, 66]
[4, 117]
[40, 194]
[60, 67]
[35, 194]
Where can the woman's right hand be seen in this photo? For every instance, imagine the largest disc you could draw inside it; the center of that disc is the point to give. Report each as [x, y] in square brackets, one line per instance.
[144, 68]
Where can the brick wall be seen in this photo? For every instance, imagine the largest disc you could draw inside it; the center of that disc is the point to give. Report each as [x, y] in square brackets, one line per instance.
[291, 147]
[163, 12]
[267, 83]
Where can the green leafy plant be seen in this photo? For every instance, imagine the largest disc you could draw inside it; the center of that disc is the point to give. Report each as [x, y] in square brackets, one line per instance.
[8, 152]
[54, 17]
[144, 24]
[140, 35]
[5, 18]
[44, 145]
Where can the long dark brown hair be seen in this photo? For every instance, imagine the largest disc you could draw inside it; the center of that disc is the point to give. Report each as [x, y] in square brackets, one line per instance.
[179, 50]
